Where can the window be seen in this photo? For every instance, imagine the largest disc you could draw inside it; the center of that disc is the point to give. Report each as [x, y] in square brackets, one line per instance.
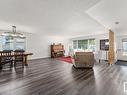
[124, 41]
[12, 43]
[82, 44]
[87, 45]
[91, 45]
[7, 43]
[75, 44]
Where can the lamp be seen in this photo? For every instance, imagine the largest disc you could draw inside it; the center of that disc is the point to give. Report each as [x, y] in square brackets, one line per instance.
[13, 33]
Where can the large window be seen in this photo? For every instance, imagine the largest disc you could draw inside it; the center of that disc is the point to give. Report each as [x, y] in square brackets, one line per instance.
[124, 41]
[12, 43]
[82, 44]
[75, 42]
[86, 45]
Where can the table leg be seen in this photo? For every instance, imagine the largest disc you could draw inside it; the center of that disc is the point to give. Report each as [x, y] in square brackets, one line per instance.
[0, 67]
[25, 61]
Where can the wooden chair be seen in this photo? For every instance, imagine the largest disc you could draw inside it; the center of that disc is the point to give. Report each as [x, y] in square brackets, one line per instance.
[6, 58]
[19, 57]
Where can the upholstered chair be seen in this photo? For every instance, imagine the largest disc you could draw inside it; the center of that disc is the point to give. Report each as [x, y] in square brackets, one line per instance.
[83, 60]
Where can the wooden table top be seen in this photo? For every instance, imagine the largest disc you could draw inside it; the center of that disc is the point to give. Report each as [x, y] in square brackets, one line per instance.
[25, 54]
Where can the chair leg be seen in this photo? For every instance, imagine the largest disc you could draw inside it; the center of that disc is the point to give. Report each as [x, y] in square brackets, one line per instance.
[11, 64]
[1, 67]
[22, 64]
[14, 64]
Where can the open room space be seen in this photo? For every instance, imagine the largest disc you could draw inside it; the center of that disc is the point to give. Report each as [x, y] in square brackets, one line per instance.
[53, 77]
[63, 47]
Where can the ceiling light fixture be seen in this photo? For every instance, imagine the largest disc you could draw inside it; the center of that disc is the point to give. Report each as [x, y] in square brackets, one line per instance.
[13, 33]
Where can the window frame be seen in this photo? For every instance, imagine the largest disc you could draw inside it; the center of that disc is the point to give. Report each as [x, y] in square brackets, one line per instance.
[124, 51]
[88, 44]
[13, 43]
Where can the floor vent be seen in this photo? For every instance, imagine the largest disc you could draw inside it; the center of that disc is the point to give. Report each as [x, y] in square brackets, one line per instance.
[125, 87]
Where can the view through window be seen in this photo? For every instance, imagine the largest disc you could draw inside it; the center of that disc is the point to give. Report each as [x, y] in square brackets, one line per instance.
[86, 45]
[124, 41]
[12, 43]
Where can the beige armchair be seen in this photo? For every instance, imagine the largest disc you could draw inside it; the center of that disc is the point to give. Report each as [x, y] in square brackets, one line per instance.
[83, 60]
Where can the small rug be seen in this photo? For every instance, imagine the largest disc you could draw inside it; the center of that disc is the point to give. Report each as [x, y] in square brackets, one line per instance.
[66, 59]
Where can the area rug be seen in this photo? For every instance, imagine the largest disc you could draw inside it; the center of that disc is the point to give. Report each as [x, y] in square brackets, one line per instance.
[67, 59]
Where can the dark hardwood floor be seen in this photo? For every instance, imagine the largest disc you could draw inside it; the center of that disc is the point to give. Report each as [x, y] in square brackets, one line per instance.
[53, 77]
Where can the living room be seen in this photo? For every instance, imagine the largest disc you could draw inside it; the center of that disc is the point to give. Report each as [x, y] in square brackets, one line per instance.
[63, 47]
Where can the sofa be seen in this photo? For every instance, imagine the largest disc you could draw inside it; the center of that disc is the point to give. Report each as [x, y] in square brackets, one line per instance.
[83, 60]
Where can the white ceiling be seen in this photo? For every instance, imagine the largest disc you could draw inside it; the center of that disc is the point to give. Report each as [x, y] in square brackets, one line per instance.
[67, 18]
[107, 12]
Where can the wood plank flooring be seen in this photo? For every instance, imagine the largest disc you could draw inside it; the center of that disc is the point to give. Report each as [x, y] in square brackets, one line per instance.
[53, 77]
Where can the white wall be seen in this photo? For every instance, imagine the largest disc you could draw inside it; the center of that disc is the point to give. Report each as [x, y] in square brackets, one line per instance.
[39, 45]
[98, 53]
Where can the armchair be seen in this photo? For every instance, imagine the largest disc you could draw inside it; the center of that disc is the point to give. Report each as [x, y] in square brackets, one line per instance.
[83, 60]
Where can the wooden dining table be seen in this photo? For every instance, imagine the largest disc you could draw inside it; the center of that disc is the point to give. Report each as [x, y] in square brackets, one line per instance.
[25, 55]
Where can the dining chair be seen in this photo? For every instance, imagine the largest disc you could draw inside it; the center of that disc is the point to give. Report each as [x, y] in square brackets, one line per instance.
[6, 58]
[19, 57]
